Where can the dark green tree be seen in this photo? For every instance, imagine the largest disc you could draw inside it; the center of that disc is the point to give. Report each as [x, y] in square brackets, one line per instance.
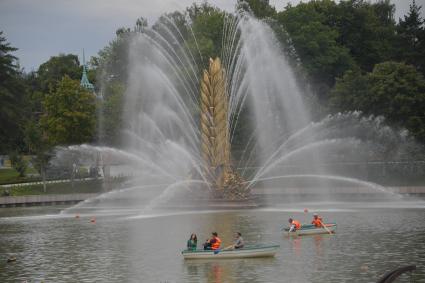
[366, 29]
[69, 116]
[111, 121]
[411, 41]
[50, 73]
[393, 90]
[39, 147]
[18, 163]
[349, 91]
[260, 8]
[13, 94]
[316, 43]
[207, 25]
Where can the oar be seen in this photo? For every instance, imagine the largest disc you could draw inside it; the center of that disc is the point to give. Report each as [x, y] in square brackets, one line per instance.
[227, 248]
[326, 228]
[223, 249]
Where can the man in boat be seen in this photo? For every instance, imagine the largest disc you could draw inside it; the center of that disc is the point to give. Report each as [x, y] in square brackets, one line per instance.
[317, 220]
[238, 244]
[294, 225]
[213, 243]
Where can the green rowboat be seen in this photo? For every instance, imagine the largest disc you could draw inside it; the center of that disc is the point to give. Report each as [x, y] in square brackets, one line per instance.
[309, 229]
[247, 252]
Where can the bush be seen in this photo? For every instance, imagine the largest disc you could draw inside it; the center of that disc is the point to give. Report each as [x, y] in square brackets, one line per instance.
[18, 163]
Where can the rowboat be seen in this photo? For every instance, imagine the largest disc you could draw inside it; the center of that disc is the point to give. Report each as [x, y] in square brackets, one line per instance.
[309, 229]
[247, 251]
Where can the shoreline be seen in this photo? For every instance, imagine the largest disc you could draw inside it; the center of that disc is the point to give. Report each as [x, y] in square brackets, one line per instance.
[73, 198]
[42, 200]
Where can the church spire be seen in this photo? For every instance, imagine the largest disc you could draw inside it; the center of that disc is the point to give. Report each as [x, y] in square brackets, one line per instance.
[84, 80]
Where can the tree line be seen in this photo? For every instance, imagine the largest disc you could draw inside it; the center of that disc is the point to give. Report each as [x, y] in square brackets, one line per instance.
[354, 55]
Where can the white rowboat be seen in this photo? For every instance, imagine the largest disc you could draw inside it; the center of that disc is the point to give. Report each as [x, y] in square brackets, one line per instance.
[247, 251]
[313, 230]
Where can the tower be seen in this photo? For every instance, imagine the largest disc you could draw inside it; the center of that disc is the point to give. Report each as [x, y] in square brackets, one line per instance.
[85, 83]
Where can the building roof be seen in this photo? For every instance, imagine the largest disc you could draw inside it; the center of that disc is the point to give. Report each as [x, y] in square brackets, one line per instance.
[84, 79]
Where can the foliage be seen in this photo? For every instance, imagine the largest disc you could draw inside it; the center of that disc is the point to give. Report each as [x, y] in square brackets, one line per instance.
[207, 25]
[411, 43]
[341, 48]
[111, 67]
[316, 42]
[70, 114]
[13, 94]
[260, 8]
[112, 61]
[91, 186]
[18, 163]
[112, 108]
[394, 90]
[366, 29]
[50, 73]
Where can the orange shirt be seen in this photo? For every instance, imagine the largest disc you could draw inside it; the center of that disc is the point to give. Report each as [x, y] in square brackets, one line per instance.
[317, 222]
[296, 223]
[216, 244]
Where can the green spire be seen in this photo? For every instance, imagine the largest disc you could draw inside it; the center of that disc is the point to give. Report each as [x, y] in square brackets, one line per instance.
[84, 80]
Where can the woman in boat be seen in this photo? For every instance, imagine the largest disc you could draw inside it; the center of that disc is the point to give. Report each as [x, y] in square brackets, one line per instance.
[192, 242]
[294, 225]
[213, 243]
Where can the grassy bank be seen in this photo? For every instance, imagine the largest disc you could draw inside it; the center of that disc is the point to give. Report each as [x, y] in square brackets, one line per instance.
[10, 176]
[87, 186]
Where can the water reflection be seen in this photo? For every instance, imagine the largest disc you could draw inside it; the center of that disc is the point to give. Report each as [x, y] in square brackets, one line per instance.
[318, 244]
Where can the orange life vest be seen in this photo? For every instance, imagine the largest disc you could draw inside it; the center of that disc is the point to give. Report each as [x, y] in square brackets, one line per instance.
[297, 224]
[216, 244]
[317, 222]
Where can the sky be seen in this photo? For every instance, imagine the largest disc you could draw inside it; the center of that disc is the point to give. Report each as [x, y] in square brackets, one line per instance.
[45, 28]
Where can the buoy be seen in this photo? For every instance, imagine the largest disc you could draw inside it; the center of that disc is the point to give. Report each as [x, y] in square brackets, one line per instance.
[77, 216]
[305, 210]
[364, 268]
[93, 220]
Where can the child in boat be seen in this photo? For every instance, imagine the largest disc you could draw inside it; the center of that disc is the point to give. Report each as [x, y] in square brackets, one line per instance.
[192, 242]
[294, 225]
[317, 220]
[213, 243]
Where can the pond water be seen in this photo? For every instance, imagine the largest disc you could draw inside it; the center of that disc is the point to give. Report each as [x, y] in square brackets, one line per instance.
[124, 245]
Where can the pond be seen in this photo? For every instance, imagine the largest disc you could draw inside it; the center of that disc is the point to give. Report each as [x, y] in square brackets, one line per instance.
[125, 245]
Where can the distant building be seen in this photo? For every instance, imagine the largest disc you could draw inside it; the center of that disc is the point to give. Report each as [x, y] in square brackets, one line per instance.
[85, 83]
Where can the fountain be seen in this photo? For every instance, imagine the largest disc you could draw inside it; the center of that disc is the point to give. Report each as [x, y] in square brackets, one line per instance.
[215, 142]
[178, 133]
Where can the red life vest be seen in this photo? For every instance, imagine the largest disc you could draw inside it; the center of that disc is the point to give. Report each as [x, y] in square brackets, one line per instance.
[317, 222]
[216, 244]
[297, 224]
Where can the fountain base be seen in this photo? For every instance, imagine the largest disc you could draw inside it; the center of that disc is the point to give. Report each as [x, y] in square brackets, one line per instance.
[233, 188]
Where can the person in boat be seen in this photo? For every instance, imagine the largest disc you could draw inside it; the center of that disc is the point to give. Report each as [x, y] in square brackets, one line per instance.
[317, 220]
[239, 242]
[294, 225]
[192, 242]
[213, 243]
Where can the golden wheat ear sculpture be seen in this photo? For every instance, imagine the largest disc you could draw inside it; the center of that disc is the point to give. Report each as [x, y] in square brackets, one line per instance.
[215, 142]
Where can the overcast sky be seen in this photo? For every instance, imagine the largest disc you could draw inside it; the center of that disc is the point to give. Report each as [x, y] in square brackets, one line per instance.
[44, 28]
